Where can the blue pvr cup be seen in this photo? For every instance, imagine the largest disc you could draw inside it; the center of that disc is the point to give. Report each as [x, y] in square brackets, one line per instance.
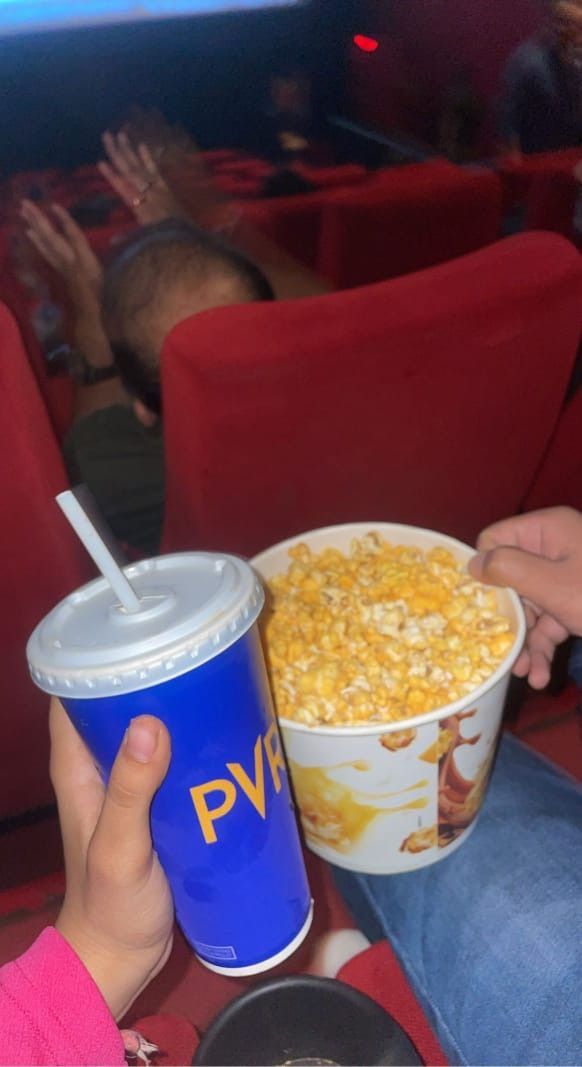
[223, 822]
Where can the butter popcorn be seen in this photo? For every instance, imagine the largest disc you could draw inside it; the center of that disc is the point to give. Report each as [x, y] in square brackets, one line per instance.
[383, 633]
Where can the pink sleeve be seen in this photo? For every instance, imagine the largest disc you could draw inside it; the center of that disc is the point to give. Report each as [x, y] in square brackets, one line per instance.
[52, 1011]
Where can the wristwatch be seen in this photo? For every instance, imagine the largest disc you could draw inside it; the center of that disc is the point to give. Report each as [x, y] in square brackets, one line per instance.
[84, 373]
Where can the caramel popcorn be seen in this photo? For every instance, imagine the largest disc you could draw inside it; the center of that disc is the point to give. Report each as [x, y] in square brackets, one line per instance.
[383, 633]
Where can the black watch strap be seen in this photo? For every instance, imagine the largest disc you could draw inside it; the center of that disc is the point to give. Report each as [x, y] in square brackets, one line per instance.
[84, 373]
[93, 375]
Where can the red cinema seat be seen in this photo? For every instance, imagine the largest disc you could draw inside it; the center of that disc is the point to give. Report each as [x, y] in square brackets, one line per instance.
[427, 400]
[518, 174]
[57, 392]
[104, 240]
[41, 563]
[214, 157]
[245, 168]
[551, 203]
[332, 177]
[291, 222]
[559, 478]
[238, 186]
[407, 219]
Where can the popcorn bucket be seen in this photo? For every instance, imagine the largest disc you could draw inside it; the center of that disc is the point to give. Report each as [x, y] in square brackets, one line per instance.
[395, 796]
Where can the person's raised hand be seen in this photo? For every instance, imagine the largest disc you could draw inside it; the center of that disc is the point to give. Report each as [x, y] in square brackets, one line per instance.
[118, 912]
[540, 556]
[135, 176]
[64, 246]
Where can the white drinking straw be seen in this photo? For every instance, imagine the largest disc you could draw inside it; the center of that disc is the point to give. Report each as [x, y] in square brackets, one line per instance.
[99, 551]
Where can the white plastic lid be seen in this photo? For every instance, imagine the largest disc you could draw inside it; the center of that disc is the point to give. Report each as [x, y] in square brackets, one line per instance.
[195, 605]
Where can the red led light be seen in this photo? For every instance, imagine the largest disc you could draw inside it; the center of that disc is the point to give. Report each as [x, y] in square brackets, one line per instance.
[366, 44]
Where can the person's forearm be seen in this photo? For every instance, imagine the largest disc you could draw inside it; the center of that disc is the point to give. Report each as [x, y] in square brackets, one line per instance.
[90, 337]
[289, 279]
[205, 205]
[92, 343]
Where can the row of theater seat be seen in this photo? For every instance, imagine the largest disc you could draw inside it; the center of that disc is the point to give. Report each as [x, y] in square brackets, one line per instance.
[397, 220]
[435, 399]
[518, 176]
[370, 228]
[421, 214]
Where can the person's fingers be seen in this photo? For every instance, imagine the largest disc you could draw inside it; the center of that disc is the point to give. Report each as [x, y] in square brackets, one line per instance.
[52, 243]
[549, 532]
[123, 158]
[542, 643]
[112, 151]
[43, 249]
[70, 228]
[37, 220]
[522, 531]
[125, 189]
[521, 666]
[531, 615]
[130, 162]
[530, 575]
[149, 163]
[78, 241]
[122, 842]
[76, 782]
[540, 670]
[29, 209]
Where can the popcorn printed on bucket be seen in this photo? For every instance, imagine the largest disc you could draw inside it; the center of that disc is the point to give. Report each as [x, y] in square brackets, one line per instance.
[383, 633]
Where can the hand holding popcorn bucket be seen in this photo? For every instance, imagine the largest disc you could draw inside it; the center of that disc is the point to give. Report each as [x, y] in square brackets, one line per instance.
[390, 668]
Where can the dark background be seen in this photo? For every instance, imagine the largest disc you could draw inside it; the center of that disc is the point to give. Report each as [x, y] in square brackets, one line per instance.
[58, 91]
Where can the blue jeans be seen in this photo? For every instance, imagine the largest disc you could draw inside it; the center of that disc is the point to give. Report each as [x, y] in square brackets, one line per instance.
[491, 937]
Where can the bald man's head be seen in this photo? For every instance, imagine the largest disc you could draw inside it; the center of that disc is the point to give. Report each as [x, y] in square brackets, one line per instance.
[165, 274]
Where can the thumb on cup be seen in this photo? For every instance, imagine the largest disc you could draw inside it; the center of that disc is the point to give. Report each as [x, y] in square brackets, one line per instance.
[123, 831]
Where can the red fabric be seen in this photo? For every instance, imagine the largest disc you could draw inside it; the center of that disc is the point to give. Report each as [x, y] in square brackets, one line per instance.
[238, 186]
[103, 239]
[406, 219]
[429, 399]
[518, 175]
[52, 1011]
[425, 46]
[378, 973]
[332, 177]
[33, 896]
[551, 204]
[174, 1035]
[292, 222]
[57, 392]
[216, 156]
[41, 563]
[552, 725]
[244, 168]
[559, 479]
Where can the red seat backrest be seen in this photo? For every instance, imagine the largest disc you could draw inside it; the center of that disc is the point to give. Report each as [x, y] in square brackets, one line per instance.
[57, 392]
[559, 478]
[405, 220]
[332, 177]
[429, 399]
[292, 222]
[216, 156]
[41, 563]
[551, 203]
[517, 174]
